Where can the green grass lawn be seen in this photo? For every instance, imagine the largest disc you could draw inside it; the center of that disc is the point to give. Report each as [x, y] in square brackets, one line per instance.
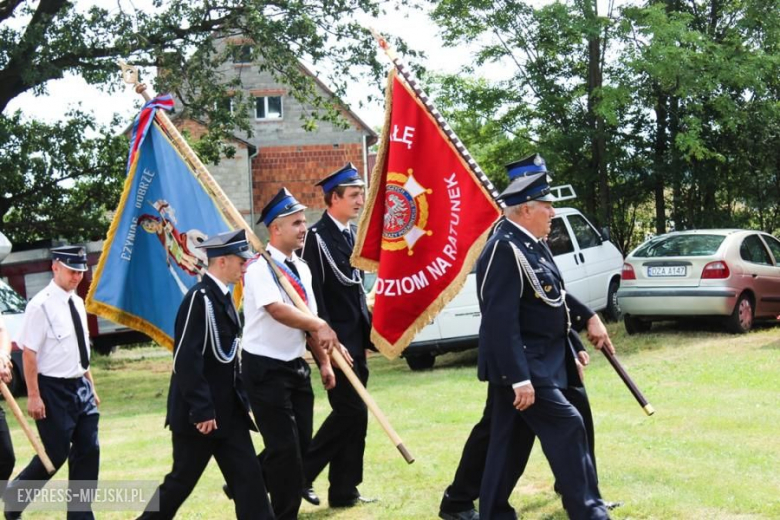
[710, 451]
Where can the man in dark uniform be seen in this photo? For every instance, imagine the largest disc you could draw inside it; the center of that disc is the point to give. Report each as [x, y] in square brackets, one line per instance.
[458, 500]
[208, 411]
[61, 394]
[7, 458]
[341, 302]
[526, 355]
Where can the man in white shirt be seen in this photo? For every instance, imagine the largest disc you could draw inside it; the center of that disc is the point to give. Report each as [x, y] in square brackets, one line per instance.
[276, 376]
[60, 389]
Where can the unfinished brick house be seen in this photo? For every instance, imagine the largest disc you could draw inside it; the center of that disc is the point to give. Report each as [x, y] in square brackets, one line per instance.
[281, 152]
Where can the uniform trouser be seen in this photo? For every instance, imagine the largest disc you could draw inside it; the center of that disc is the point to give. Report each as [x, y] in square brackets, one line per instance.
[341, 440]
[235, 456]
[464, 490]
[7, 458]
[283, 405]
[564, 440]
[69, 432]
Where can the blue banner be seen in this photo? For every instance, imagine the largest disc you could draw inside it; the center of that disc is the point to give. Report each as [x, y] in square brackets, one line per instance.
[150, 259]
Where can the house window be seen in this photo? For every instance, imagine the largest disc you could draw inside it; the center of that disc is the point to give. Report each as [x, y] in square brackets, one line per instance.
[241, 53]
[225, 104]
[268, 107]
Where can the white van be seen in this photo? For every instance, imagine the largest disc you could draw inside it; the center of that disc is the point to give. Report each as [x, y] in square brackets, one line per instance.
[590, 265]
[12, 307]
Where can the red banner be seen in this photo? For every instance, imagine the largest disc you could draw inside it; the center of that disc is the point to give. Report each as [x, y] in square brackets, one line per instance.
[426, 220]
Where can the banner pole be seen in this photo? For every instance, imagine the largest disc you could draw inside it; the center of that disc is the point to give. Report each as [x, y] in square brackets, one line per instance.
[34, 441]
[130, 75]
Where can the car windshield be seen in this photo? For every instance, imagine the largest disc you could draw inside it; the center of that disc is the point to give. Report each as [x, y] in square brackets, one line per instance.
[681, 245]
[10, 301]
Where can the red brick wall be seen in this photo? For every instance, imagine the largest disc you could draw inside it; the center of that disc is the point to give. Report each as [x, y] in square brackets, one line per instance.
[298, 168]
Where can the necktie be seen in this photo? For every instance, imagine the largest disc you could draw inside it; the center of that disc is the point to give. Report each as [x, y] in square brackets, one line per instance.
[291, 265]
[232, 308]
[348, 237]
[74, 314]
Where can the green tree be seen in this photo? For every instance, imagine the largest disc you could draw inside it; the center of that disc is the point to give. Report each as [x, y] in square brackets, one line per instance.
[705, 77]
[45, 40]
[58, 181]
[554, 99]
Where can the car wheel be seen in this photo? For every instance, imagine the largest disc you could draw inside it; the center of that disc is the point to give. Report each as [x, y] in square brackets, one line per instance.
[421, 361]
[16, 386]
[612, 312]
[636, 325]
[741, 319]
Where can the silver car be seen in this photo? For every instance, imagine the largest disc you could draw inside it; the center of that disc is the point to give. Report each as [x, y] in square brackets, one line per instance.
[709, 272]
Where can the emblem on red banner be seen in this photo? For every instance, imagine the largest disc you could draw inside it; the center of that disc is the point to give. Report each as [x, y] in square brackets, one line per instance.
[406, 212]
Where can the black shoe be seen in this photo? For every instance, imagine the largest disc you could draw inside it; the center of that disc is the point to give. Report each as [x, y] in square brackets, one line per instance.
[226, 489]
[310, 496]
[612, 505]
[351, 502]
[12, 515]
[470, 514]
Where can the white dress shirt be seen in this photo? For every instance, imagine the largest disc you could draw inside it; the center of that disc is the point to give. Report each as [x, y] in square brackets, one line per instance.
[263, 335]
[48, 330]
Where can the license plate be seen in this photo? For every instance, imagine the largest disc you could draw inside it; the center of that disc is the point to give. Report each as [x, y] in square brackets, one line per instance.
[669, 270]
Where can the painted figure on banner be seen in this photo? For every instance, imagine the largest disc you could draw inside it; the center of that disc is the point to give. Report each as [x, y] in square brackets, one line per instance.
[180, 247]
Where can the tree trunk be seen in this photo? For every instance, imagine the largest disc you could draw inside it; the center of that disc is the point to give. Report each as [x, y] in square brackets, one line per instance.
[598, 140]
[659, 159]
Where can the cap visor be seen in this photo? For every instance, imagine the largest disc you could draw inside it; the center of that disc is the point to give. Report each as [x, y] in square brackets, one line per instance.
[80, 268]
[245, 254]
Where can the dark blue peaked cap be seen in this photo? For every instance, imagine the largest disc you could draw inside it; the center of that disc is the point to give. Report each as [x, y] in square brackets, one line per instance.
[228, 243]
[72, 257]
[281, 205]
[529, 181]
[527, 166]
[346, 176]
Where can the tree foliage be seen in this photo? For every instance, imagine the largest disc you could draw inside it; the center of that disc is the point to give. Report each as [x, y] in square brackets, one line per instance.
[57, 180]
[687, 105]
[45, 40]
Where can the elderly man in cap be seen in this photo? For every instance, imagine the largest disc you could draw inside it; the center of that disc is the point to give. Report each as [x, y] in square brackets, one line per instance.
[341, 301]
[61, 392]
[276, 376]
[458, 500]
[208, 411]
[526, 355]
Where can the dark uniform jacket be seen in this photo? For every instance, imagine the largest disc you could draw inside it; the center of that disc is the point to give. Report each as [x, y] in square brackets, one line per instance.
[521, 337]
[203, 388]
[343, 307]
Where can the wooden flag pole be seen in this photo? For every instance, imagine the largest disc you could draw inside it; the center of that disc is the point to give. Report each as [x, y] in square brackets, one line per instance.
[130, 75]
[34, 441]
